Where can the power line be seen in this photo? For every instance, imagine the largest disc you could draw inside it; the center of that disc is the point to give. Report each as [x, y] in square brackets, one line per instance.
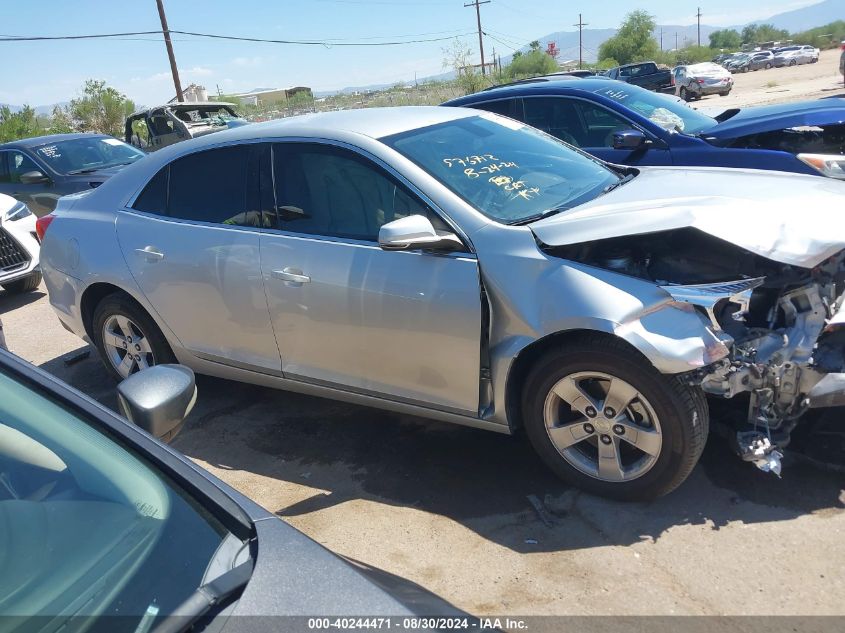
[477, 4]
[327, 43]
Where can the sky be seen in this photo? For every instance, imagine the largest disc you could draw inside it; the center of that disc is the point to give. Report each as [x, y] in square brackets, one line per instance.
[42, 73]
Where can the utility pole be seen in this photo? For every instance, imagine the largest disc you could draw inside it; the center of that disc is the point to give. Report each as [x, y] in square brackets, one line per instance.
[661, 39]
[173, 69]
[477, 4]
[698, 15]
[676, 40]
[581, 24]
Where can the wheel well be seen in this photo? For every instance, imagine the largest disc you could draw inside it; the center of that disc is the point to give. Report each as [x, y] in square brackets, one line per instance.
[526, 358]
[91, 299]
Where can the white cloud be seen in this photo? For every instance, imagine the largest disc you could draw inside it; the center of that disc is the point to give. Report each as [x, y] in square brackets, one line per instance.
[249, 62]
[198, 71]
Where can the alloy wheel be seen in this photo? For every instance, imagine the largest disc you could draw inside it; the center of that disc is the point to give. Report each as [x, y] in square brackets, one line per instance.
[126, 345]
[602, 426]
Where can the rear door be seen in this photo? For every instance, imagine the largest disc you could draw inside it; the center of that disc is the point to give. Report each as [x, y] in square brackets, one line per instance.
[402, 325]
[191, 240]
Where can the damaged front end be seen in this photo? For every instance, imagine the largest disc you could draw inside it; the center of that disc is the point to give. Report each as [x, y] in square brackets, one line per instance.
[784, 325]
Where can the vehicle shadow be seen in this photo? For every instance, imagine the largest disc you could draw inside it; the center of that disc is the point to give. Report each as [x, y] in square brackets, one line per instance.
[480, 479]
[13, 301]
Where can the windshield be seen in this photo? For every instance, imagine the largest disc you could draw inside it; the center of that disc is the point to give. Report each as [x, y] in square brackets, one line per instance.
[80, 155]
[663, 110]
[87, 527]
[508, 171]
[210, 115]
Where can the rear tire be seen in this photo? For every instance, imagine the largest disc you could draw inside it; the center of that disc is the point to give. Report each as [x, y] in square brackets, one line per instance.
[644, 450]
[121, 328]
[27, 284]
[685, 94]
[724, 94]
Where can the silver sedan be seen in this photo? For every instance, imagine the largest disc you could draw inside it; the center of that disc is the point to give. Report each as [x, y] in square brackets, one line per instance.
[462, 266]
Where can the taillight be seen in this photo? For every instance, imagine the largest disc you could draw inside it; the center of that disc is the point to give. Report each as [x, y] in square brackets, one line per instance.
[701, 81]
[42, 223]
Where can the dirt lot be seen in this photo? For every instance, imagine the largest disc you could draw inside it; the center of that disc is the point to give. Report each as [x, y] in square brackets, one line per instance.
[448, 507]
[776, 85]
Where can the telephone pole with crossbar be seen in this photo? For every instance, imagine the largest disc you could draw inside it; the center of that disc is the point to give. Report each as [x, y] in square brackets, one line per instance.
[581, 24]
[477, 4]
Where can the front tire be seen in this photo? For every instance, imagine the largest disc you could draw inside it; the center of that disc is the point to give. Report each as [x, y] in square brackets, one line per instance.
[605, 420]
[127, 338]
[685, 94]
[27, 284]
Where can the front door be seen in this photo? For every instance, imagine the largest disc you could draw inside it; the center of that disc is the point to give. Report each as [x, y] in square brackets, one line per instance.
[590, 127]
[401, 325]
[39, 197]
[192, 245]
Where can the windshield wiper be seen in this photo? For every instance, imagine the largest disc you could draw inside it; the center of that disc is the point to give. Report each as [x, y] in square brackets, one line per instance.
[618, 183]
[87, 170]
[537, 216]
[205, 597]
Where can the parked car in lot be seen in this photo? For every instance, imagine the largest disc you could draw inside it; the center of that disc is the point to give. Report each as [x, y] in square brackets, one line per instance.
[699, 80]
[107, 529]
[153, 128]
[41, 169]
[762, 60]
[462, 266]
[795, 55]
[628, 125]
[19, 247]
[645, 75]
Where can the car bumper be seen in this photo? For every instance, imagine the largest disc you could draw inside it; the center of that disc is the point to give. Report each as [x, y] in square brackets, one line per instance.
[714, 90]
[18, 239]
[65, 293]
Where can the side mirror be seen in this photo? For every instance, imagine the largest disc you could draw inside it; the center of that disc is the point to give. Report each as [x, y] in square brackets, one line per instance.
[416, 231]
[34, 177]
[158, 399]
[630, 139]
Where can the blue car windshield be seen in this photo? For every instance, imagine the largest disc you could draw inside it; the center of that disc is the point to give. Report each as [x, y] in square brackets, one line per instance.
[87, 154]
[663, 110]
[510, 172]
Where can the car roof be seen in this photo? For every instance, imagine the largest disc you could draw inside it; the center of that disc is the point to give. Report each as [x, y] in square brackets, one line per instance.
[37, 141]
[553, 85]
[371, 122]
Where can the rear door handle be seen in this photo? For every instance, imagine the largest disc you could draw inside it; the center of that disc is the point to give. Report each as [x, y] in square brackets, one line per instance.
[150, 253]
[292, 275]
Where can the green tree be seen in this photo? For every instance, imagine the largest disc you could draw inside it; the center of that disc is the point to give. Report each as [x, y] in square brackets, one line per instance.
[757, 33]
[15, 125]
[607, 63]
[633, 41]
[534, 45]
[827, 36]
[726, 38]
[531, 64]
[458, 57]
[100, 108]
[60, 122]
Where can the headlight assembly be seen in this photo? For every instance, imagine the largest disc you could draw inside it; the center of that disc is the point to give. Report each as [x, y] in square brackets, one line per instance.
[832, 165]
[17, 212]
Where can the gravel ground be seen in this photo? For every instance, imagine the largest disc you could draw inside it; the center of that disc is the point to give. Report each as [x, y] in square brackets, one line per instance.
[448, 507]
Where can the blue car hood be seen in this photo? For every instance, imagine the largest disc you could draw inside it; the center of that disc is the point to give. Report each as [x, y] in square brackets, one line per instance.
[778, 117]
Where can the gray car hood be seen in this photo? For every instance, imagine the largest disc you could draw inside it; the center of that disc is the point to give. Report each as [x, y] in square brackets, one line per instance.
[790, 218]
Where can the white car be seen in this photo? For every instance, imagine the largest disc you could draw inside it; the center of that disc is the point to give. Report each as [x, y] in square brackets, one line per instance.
[19, 247]
[794, 55]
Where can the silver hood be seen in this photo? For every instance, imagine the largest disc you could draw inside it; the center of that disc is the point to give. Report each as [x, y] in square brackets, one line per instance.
[790, 218]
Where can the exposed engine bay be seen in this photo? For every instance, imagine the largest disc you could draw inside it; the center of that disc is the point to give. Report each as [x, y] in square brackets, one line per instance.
[784, 325]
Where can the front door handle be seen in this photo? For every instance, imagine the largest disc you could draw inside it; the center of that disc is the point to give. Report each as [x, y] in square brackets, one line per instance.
[150, 253]
[291, 275]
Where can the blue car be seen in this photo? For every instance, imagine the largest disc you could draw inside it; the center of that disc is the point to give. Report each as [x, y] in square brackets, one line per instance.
[624, 124]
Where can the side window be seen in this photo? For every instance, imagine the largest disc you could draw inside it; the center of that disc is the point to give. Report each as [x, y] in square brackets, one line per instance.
[4, 167]
[325, 190]
[153, 198]
[210, 186]
[600, 125]
[19, 163]
[505, 107]
[557, 116]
